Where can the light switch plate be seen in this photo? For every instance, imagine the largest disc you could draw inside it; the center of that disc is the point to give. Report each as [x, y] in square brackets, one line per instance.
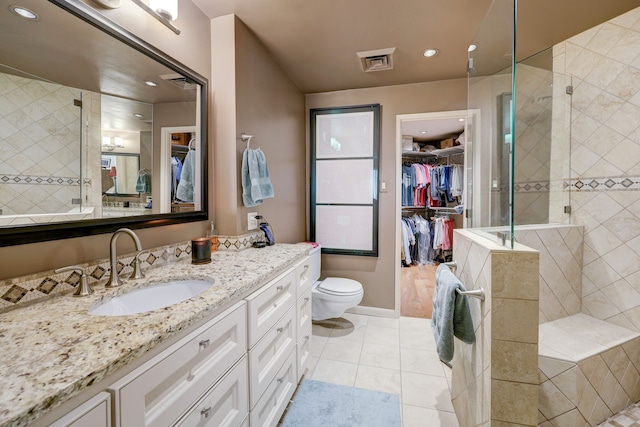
[252, 222]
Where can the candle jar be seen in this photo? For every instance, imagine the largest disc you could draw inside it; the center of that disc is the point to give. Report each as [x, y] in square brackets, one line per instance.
[201, 250]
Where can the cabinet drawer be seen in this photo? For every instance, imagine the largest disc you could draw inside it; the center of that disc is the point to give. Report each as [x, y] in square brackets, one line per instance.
[303, 313]
[303, 349]
[303, 276]
[266, 357]
[95, 412]
[226, 404]
[273, 402]
[268, 304]
[162, 389]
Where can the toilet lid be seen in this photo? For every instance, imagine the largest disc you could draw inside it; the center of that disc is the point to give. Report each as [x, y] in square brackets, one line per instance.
[340, 286]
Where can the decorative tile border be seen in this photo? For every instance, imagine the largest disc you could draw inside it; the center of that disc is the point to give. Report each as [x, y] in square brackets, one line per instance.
[39, 180]
[604, 183]
[40, 286]
[239, 243]
[532, 187]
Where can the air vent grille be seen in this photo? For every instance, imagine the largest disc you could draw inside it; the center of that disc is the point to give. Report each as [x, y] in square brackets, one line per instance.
[180, 81]
[376, 60]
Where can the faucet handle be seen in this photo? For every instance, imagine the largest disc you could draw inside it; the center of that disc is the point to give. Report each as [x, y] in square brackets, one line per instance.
[137, 269]
[83, 289]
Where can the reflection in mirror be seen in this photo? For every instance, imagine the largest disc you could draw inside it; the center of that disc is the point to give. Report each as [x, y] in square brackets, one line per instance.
[73, 102]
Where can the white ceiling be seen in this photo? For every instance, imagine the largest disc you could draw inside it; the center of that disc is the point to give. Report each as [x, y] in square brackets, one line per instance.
[315, 41]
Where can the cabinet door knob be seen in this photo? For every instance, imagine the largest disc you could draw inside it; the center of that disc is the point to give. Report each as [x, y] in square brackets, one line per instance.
[280, 380]
[205, 344]
[306, 299]
[206, 412]
[279, 288]
[280, 329]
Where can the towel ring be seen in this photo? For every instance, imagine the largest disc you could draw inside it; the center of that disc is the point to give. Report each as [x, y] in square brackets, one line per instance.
[246, 138]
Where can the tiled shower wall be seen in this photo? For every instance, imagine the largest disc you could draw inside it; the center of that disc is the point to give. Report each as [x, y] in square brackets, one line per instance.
[560, 248]
[604, 63]
[495, 380]
[39, 146]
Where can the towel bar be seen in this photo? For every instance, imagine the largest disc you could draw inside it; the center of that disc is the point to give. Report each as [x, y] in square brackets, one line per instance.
[475, 293]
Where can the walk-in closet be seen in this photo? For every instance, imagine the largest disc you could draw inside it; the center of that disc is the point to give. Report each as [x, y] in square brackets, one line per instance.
[432, 183]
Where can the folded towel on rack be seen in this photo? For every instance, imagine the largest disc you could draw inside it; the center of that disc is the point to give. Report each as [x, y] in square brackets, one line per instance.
[256, 183]
[451, 315]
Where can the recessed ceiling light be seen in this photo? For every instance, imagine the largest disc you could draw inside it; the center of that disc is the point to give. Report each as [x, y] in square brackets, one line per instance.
[428, 53]
[150, 83]
[472, 47]
[424, 132]
[461, 119]
[23, 12]
[138, 115]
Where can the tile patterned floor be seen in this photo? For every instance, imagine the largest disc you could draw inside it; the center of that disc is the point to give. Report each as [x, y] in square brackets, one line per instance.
[627, 418]
[391, 355]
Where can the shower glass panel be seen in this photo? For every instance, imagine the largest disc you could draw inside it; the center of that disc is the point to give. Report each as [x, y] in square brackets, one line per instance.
[520, 163]
[490, 87]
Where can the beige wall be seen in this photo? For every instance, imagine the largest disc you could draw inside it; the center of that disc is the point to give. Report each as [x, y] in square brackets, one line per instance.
[193, 48]
[254, 96]
[377, 274]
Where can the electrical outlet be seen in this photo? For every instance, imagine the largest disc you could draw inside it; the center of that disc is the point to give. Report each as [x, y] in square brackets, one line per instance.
[252, 222]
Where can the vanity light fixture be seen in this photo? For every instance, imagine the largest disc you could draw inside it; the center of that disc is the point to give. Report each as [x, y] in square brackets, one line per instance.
[107, 144]
[119, 141]
[428, 53]
[472, 47]
[150, 83]
[138, 115]
[23, 12]
[164, 11]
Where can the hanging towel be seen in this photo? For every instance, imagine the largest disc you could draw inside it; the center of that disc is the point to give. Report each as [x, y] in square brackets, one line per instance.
[451, 315]
[143, 185]
[256, 184]
[184, 191]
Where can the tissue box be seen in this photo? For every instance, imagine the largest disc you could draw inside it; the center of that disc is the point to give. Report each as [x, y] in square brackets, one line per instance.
[407, 143]
[447, 143]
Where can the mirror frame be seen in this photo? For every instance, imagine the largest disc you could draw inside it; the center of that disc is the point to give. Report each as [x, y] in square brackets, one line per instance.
[11, 236]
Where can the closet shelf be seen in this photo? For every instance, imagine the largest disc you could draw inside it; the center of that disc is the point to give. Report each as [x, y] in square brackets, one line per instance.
[418, 154]
[446, 152]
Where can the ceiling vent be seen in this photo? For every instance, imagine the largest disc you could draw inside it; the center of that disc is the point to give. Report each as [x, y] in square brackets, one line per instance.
[376, 60]
[179, 80]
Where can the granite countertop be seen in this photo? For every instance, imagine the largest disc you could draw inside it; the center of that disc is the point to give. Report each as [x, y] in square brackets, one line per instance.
[53, 350]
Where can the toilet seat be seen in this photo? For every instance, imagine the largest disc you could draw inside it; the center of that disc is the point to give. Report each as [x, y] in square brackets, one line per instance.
[339, 286]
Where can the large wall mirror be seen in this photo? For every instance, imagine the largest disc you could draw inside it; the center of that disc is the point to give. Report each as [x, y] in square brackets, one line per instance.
[84, 111]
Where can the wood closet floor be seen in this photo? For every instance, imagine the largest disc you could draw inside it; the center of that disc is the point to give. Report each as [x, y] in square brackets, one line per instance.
[417, 285]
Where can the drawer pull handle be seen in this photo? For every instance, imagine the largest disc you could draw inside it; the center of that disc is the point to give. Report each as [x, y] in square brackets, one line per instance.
[280, 329]
[275, 305]
[205, 344]
[279, 288]
[306, 337]
[306, 299]
[280, 380]
[206, 413]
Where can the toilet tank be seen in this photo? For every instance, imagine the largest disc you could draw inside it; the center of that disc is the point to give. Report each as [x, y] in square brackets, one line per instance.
[314, 255]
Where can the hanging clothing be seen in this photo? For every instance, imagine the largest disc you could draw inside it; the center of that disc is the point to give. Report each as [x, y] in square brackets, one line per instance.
[185, 189]
[176, 167]
[143, 183]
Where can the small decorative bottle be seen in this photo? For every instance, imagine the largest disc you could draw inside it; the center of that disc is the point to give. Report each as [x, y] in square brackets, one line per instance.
[212, 234]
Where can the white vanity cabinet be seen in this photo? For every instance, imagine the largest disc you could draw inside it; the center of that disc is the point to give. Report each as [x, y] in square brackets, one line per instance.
[304, 275]
[95, 412]
[160, 391]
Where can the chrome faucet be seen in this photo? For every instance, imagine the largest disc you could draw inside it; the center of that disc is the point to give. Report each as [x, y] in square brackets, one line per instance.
[114, 280]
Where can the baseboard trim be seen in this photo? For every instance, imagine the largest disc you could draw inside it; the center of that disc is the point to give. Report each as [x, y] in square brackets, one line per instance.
[373, 311]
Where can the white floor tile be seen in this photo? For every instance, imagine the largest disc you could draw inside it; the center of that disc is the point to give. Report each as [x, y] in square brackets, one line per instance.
[418, 338]
[385, 336]
[379, 379]
[349, 332]
[380, 355]
[383, 322]
[342, 350]
[415, 416]
[421, 362]
[426, 391]
[333, 371]
[317, 344]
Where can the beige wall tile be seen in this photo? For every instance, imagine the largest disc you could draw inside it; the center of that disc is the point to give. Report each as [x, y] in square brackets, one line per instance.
[514, 275]
[511, 361]
[515, 320]
[514, 402]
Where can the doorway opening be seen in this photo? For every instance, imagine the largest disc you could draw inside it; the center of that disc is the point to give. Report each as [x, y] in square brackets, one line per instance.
[429, 146]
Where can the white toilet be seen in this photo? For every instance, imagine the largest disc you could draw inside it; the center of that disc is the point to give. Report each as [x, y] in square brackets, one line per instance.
[332, 296]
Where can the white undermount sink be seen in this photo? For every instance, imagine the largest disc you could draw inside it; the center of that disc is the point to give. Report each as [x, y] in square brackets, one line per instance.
[151, 298]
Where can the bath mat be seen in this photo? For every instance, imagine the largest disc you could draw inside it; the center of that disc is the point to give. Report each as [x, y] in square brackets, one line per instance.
[317, 404]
